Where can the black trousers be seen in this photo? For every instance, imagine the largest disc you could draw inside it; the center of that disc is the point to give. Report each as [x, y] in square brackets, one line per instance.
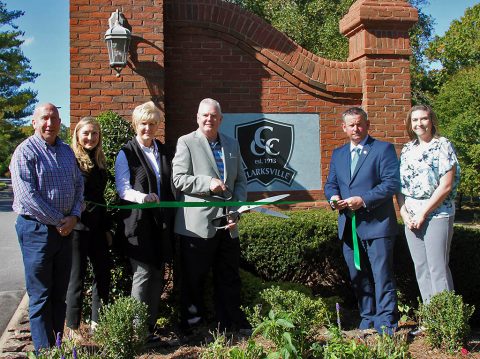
[88, 245]
[221, 254]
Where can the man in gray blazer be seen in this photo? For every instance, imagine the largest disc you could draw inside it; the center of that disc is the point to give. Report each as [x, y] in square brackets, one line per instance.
[208, 167]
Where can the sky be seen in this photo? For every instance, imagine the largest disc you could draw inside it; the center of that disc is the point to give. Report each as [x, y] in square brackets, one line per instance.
[46, 27]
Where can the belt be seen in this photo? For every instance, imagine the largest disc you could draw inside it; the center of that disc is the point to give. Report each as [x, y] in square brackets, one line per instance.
[30, 218]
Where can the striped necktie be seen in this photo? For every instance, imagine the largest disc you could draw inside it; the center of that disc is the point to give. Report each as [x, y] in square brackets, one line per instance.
[355, 158]
[217, 154]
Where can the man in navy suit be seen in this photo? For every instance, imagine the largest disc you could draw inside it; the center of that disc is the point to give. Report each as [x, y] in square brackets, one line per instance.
[362, 180]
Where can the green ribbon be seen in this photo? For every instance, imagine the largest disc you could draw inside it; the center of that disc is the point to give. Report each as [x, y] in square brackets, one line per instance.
[356, 252]
[175, 204]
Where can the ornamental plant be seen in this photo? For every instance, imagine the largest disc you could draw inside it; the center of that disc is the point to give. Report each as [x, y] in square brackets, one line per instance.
[446, 318]
[122, 328]
[292, 321]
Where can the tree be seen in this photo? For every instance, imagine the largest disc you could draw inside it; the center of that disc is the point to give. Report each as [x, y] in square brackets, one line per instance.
[423, 85]
[460, 46]
[313, 24]
[457, 101]
[457, 107]
[15, 102]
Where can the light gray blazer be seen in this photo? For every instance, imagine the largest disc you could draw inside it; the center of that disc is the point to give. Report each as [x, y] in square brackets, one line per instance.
[193, 168]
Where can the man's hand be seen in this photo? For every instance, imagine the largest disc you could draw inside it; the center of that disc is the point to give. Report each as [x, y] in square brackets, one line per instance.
[232, 221]
[66, 225]
[151, 197]
[354, 203]
[337, 203]
[217, 186]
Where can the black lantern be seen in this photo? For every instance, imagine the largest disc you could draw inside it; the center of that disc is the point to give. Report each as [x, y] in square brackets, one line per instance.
[117, 38]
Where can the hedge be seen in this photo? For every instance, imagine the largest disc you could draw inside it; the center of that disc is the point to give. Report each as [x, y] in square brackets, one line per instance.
[305, 249]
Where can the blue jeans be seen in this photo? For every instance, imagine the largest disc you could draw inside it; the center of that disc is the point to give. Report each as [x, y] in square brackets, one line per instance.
[47, 259]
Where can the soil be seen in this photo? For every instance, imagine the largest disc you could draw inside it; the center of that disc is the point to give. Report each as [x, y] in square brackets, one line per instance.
[173, 345]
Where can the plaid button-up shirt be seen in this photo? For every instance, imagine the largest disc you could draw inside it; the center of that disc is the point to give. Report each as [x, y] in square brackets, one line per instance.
[47, 183]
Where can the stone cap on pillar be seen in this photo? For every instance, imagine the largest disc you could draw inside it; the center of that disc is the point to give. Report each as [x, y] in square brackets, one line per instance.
[378, 27]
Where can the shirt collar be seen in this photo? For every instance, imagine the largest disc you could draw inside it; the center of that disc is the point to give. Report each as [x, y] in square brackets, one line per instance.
[147, 149]
[360, 145]
[39, 139]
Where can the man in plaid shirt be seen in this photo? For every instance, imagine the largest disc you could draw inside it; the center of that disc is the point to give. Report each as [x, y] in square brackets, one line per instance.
[48, 196]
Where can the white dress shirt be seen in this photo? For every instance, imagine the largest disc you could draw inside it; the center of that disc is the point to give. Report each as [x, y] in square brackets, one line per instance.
[122, 174]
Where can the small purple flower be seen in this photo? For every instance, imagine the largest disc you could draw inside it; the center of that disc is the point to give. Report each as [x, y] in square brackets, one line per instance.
[58, 342]
[337, 307]
[74, 353]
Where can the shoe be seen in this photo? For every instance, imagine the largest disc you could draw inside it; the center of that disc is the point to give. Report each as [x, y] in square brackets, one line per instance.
[93, 326]
[417, 332]
[152, 338]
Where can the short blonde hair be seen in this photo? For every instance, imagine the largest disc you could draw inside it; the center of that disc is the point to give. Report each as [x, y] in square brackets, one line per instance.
[146, 112]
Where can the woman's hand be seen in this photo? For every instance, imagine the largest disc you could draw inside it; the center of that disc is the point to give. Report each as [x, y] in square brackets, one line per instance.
[406, 218]
[419, 220]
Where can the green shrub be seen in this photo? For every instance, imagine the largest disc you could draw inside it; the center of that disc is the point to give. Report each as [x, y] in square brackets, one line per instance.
[446, 319]
[464, 260]
[220, 348]
[292, 321]
[382, 347]
[252, 287]
[305, 249]
[116, 132]
[338, 347]
[122, 328]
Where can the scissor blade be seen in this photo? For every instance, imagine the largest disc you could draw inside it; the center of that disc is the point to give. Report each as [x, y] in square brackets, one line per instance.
[271, 200]
[270, 212]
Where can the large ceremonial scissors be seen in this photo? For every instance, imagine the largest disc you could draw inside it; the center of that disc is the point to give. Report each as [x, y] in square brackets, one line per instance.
[221, 222]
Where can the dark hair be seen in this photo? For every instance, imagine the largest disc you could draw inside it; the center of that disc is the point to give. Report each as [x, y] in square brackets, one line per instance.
[354, 111]
[431, 116]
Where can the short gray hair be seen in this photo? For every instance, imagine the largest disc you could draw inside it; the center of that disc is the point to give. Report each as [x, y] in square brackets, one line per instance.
[210, 101]
[355, 111]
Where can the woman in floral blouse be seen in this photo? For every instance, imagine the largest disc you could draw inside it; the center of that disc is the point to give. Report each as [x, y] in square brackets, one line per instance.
[429, 174]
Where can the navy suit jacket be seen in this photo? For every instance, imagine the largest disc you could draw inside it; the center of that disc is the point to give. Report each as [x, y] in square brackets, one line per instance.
[376, 179]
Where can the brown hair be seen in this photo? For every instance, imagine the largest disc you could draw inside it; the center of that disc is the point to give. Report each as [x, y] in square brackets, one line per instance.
[83, 159]
[431, 116]
[355, 111]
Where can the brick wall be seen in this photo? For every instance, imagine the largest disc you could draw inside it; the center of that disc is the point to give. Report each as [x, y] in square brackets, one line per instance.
[192, 49]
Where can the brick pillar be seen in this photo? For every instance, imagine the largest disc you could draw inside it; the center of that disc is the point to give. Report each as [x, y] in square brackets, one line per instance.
[378, 37]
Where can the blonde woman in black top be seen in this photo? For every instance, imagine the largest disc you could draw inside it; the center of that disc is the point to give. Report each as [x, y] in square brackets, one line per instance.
[91, 236]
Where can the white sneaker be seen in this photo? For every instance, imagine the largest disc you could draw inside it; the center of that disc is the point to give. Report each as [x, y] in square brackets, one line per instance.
[93, 326]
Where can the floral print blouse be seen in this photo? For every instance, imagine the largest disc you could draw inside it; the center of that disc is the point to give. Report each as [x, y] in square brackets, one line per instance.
[420, 173]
